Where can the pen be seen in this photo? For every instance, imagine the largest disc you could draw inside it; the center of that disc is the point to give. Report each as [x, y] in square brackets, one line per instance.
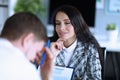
[44, 54]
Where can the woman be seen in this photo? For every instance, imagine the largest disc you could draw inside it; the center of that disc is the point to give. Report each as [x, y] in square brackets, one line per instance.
[80, 48]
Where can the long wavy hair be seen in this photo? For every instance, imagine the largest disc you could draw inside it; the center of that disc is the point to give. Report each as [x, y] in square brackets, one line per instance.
[81, 29]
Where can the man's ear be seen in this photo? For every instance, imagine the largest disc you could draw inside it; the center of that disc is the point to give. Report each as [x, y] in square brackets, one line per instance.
[27, 40]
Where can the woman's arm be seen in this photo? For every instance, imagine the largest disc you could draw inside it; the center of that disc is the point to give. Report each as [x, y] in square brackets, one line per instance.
[93, 70]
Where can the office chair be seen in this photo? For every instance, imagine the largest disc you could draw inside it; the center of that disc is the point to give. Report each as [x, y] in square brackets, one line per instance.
[112, 66]
[102, 57]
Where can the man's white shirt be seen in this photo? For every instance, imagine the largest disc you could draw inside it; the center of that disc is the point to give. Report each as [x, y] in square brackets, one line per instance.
[14, 65]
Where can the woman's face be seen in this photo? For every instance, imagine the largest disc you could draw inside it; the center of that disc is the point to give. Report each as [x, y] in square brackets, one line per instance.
[64, 28]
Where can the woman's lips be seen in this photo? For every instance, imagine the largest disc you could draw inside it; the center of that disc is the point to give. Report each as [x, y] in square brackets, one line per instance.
[62, 33]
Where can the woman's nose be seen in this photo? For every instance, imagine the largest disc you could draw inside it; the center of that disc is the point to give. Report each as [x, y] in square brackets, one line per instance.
[62, 26]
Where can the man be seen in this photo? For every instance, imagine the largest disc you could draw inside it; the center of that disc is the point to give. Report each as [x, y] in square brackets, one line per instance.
[22, 41]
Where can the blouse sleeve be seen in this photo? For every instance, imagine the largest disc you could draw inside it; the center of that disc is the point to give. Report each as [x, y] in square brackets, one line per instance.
[93, 68]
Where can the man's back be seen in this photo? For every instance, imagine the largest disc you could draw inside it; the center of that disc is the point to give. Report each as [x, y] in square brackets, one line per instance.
[14, 65]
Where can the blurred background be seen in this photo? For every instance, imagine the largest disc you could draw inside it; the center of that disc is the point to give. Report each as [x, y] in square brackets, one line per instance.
[99, 14]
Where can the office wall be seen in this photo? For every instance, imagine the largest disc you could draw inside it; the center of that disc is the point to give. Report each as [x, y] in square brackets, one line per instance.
[101, 18]
[3, 12]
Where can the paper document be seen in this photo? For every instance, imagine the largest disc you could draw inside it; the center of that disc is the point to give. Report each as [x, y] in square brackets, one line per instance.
[63, 73]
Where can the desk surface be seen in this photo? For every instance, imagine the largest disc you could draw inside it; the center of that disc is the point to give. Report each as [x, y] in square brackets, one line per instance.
[110, 46]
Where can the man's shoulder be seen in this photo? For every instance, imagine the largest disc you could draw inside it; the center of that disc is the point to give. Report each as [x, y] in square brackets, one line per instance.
[18, 67]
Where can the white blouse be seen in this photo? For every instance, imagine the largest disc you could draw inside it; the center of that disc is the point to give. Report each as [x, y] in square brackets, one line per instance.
[68, 52]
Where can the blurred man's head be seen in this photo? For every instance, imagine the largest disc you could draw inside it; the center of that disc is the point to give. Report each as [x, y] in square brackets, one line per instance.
[26, 32]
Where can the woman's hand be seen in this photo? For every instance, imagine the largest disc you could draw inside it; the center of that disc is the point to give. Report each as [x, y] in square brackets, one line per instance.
[47, 68]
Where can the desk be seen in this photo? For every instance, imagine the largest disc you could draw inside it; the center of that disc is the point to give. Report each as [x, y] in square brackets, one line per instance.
[110, 46]
[112, 60]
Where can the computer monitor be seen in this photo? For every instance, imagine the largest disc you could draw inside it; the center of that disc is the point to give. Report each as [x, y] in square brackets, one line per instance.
[86, 7]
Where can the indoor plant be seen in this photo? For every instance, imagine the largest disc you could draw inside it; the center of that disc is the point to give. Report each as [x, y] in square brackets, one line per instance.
[34, 6]
[111, 26]
[112, 32]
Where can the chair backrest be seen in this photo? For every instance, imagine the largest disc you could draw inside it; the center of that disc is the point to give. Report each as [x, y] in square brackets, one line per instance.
[102, 56]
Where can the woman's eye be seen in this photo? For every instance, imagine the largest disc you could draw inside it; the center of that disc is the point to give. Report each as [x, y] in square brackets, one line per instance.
[57, 23]
[67, 23]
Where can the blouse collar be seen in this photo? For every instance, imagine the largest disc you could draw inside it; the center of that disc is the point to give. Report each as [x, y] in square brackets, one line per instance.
[71, 48]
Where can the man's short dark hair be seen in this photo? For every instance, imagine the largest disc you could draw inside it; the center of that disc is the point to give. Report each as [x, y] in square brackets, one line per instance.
[23, 23]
